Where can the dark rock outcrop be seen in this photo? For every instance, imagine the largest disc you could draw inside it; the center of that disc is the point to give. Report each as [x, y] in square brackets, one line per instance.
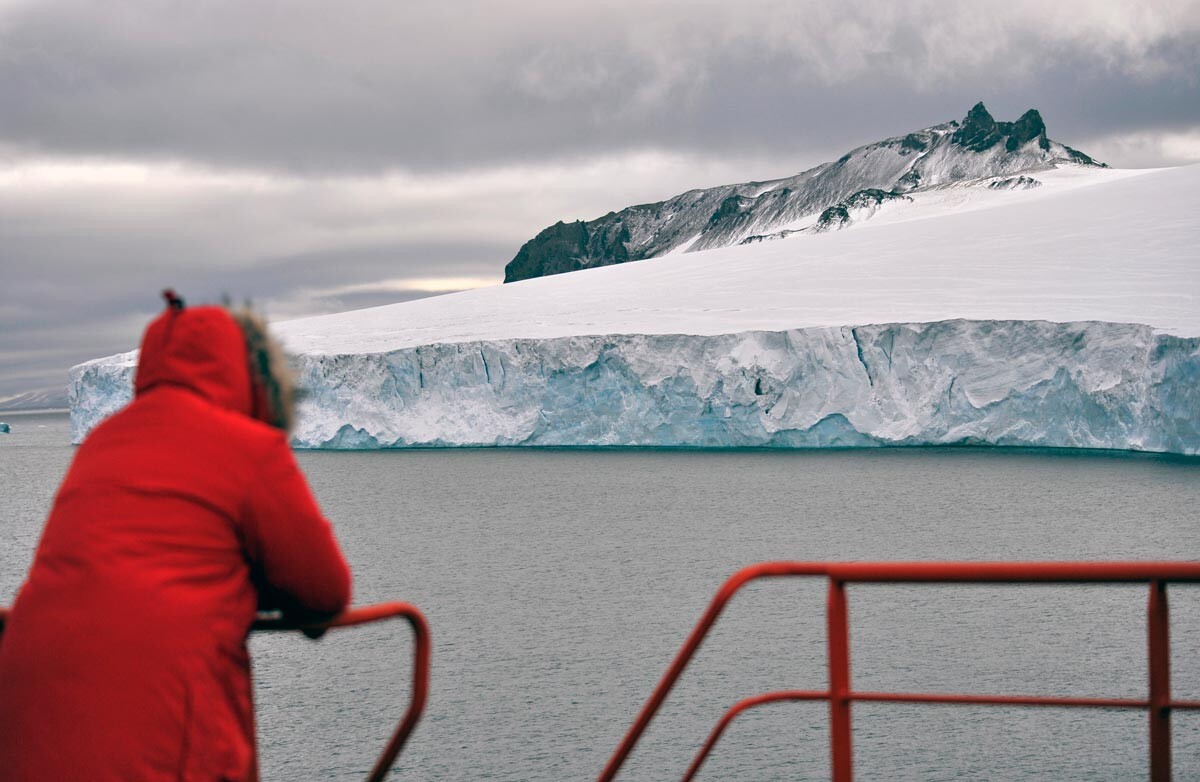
[560, 247]
[838, 215]
[979, 131]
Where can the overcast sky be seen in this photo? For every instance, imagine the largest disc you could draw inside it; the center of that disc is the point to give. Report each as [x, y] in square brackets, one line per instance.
[321, 156]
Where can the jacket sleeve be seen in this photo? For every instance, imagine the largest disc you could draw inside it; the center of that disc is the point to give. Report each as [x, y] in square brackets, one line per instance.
[295, 558]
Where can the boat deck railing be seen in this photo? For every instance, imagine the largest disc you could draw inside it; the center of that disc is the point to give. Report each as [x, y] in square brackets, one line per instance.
[1158, 702]
[361, 616]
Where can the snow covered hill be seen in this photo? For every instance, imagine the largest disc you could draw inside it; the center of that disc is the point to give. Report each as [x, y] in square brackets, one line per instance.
[1061, 315]
[975, 152]
[49, 398]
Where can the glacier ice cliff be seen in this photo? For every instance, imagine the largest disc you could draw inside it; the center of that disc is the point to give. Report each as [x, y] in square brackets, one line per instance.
[1000, 382]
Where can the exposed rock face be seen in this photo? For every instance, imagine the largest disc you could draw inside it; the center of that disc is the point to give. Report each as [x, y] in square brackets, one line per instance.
[838, 215]
[976, 147]
[554, 248]
[859, 206]
[979, 131]
[1014, 183]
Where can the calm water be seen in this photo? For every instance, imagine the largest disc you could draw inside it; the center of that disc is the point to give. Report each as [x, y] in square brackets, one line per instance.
[560, 583]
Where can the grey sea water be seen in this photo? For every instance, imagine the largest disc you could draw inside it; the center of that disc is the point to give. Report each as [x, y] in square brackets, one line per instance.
[560, 583]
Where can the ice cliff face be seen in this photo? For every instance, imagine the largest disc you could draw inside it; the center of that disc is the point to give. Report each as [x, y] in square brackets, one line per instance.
[97, 389]
[1035, 383]
[974, 150]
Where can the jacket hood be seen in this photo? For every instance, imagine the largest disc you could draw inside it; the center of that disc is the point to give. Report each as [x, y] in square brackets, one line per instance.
[198, 348]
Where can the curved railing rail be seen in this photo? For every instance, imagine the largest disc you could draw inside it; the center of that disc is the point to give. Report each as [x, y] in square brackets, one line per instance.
[839, 695]
[361, 616]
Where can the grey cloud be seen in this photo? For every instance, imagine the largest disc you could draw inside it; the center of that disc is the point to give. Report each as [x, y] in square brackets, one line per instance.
[50, 327]
[312, 87]
[86, 249]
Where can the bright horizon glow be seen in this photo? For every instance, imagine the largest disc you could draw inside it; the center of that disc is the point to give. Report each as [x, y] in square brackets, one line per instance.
[421, 284]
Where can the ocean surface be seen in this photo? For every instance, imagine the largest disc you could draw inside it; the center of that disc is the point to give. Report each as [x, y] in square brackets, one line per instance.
[559, 584]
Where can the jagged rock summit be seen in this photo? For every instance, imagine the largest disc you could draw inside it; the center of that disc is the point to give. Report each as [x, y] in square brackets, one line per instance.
[979, 131]
[974, 151]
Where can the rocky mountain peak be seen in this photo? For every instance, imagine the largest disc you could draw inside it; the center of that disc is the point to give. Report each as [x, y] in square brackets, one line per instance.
[1028, 127]
[979, 131]
[979, 119]
[975, 148]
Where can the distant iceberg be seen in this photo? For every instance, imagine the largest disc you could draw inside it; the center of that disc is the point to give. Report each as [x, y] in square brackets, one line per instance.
[1063, 315]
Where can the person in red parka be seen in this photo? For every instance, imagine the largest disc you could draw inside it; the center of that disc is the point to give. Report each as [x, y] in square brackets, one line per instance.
[124, 656]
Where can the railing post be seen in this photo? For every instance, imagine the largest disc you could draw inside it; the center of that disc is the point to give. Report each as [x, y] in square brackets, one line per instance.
[1159, 637]
[838, 632]
[421, 653]
[420, 691]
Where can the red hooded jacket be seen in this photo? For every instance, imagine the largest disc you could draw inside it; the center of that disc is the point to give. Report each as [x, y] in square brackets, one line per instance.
[124, 656]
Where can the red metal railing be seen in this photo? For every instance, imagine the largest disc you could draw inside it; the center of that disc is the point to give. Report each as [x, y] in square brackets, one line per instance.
[361, 616]
[840, 696]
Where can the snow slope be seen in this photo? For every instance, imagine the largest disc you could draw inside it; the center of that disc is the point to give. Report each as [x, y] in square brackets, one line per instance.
[1066, 314]
[1097, 244]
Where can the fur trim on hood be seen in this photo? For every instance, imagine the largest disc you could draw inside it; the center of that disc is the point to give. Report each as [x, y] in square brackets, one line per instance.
[270, 371]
